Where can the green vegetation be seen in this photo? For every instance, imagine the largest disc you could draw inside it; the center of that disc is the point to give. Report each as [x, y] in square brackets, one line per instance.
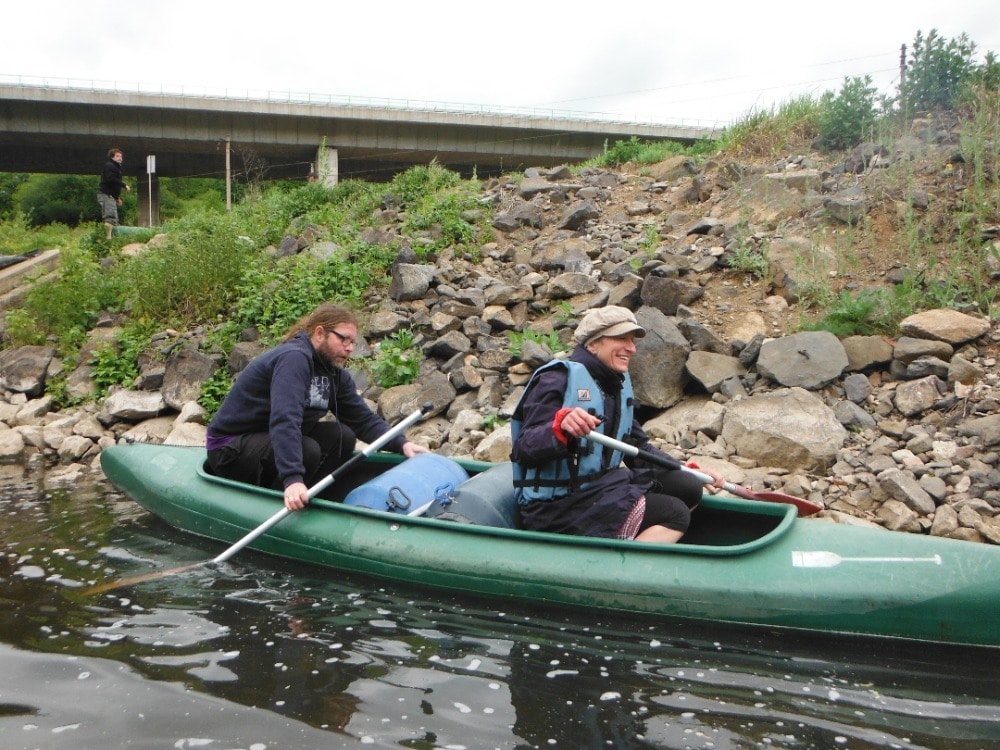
[644, 152]
[749, 259]
[768, 133]
[118, 363]
[550, 340]
[850, 116]
[397, 361]
[221, 270]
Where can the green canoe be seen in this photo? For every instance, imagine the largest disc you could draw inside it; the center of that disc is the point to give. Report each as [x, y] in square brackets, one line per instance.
[743, 562]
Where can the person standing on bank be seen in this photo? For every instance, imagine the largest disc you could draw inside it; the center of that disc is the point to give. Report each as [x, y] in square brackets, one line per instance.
[568, 485]
[109, 194]
[269, 430]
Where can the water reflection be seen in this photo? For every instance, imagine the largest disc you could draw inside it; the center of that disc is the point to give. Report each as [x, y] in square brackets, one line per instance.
[264, 654]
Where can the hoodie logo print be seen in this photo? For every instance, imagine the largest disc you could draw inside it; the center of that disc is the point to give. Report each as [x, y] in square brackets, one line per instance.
[319, 392]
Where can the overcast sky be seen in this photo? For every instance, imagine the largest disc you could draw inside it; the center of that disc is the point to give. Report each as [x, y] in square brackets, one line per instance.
[644, 60]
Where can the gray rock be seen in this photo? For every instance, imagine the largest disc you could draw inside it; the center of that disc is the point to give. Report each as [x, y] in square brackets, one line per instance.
[186, 370]
[658, 367]
[410, 282]
[917, 396]
[24, 369]
[666, 294]
[791, 429]
[134, 406]
[808, 360]
[950, 326]
[902, 486]
[711, 370]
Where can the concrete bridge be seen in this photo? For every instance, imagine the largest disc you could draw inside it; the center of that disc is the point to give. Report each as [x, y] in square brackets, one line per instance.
[67, 129]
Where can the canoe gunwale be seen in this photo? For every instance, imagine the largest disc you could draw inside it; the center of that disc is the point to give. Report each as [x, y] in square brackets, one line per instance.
[787, 514]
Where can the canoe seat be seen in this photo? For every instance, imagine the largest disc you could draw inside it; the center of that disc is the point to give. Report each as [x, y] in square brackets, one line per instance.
[487, 499]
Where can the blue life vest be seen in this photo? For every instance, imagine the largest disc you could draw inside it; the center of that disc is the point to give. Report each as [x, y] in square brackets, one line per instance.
[555, 479]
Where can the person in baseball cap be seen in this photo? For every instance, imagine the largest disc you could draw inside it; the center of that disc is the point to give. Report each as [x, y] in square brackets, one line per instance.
[569, 485]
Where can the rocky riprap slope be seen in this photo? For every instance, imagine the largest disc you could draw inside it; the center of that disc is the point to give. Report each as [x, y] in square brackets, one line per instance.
[900, 432]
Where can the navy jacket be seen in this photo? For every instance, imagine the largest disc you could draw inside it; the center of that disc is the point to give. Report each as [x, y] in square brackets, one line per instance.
[285, 392]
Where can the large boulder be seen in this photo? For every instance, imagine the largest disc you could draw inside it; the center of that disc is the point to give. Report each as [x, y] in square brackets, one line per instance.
[658, 367]
[790, 429]
[23, 369]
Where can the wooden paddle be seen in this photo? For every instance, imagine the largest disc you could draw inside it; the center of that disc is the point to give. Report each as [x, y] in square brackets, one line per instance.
[805, 507]
[280, 515]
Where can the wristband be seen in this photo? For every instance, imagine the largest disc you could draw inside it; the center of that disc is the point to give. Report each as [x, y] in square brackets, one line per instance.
[557, 429]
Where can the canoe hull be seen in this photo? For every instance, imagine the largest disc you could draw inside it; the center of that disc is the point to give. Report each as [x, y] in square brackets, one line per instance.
[743, 562]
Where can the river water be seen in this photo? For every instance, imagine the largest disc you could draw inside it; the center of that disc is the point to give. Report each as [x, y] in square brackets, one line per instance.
[266, 655]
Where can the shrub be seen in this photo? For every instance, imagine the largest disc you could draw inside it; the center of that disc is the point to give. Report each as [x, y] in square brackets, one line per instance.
[64, 306]
[647, 152]
[550, 340]
[214, 391]
[66, 199]
[17, 237]
[190, 278]
[848, 118]
[118, 363]
[937, 72]
[271, 296]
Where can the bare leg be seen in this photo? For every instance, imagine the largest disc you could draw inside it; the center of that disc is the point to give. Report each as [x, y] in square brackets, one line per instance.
[660, 534]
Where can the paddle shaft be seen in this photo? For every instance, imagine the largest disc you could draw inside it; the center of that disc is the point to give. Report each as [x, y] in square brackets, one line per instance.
[667, 462]
[806, 507]
[326, 481]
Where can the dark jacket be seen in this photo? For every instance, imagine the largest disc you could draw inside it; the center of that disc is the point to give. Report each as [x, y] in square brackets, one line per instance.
[111, 179]
[285, 392]
[601, 508]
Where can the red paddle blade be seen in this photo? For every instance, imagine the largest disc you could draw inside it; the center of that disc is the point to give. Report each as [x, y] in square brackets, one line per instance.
[806, 507]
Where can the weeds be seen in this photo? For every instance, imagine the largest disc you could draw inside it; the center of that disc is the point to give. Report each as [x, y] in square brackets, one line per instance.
[118, 363]
[550, 340]
[214, 391]
[646, 152]
[397, 361]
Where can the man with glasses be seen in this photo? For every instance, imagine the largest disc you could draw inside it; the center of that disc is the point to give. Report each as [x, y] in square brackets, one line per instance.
[270, 429]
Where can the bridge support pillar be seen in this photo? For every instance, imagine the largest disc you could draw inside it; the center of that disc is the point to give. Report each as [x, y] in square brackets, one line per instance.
[327, 165]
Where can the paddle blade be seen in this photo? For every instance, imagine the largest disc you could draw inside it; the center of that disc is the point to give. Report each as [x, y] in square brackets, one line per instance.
[806, 507]
[122, 582]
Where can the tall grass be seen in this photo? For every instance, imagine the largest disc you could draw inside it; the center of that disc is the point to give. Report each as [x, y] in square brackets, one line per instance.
[766, 133]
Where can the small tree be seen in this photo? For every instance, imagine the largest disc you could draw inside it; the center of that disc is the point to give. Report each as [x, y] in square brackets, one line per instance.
[937, 72]
[847, 118]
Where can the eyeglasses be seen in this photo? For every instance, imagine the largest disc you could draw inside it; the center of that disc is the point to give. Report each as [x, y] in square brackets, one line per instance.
[345, 340]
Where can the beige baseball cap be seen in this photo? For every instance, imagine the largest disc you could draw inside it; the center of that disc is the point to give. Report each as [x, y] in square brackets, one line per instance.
[608, 321]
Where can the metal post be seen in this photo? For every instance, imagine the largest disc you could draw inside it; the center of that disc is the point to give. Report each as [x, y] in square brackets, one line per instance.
[229, 178]
[150, 171]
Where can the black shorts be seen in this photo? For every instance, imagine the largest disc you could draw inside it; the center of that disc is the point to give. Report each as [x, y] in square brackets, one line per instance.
[671, 499]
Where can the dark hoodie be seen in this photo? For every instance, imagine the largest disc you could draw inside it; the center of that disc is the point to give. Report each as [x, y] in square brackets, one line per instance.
[285, 392]
[111, 179]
